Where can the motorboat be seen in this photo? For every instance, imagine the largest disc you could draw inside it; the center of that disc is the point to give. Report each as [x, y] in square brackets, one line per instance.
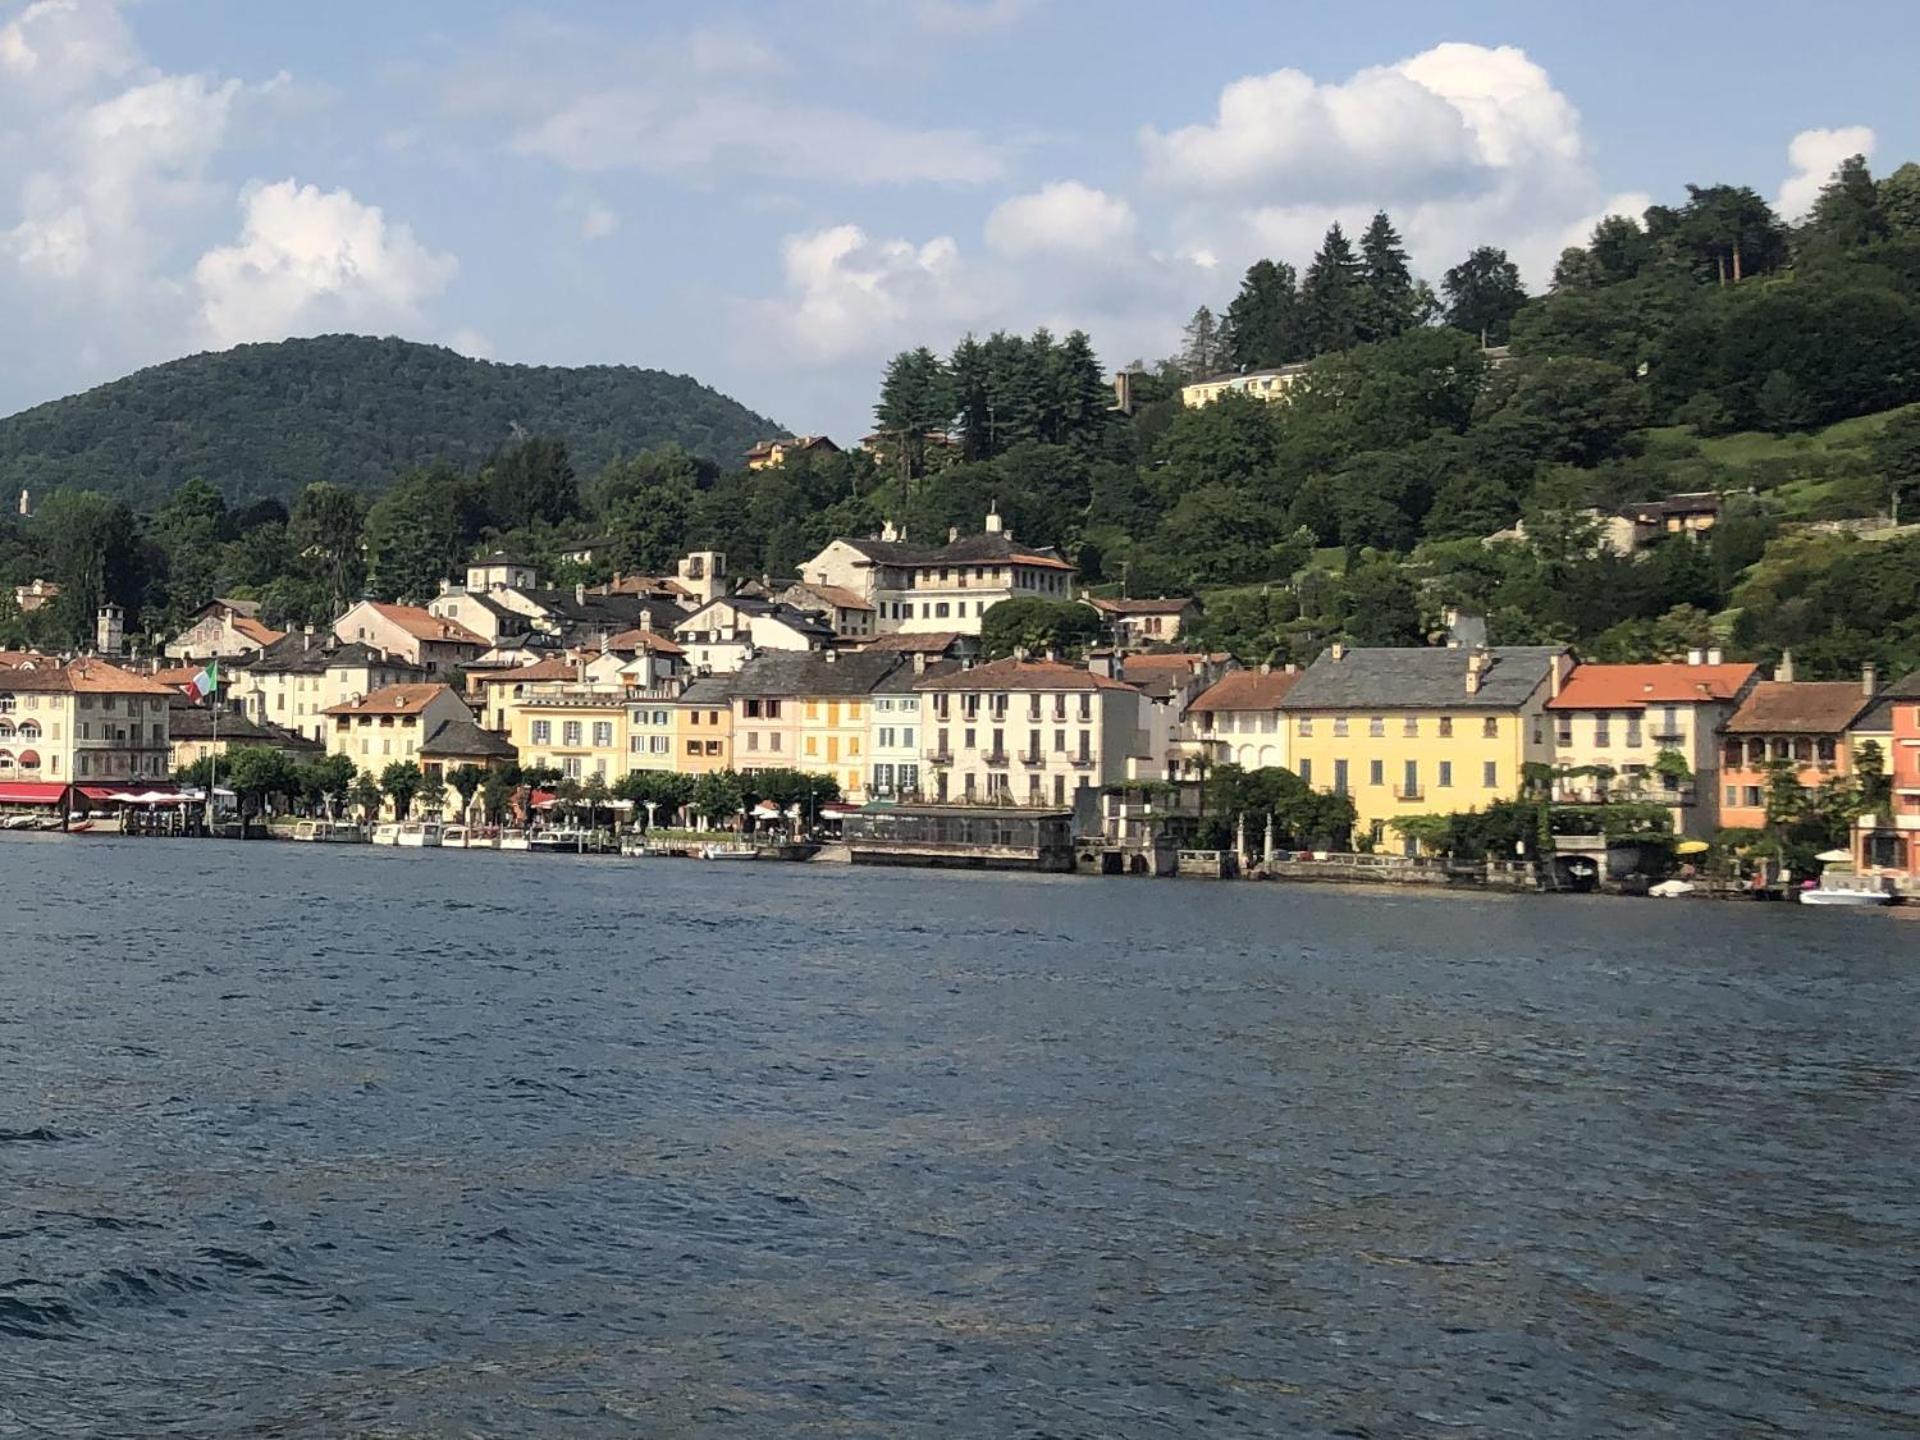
[330, 832]
[734, 851]
[1671, 889]
[420, 834]
[387, 832]
[514, 840]
[634, 844]
[1849, 889]
[566, 840]
[456, 837]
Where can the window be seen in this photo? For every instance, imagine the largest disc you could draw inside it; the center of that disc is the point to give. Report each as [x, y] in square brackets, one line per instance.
[1305, 727]
[909, 778]
[570, 767]
[1446, 727]
[1306, 772]
[773, 741]
[603, 733]
[968, 739]
[1563, 730]
[940, 613]
[1410, 780]
[1633, 730]
[543, 732]
[1376, 772]
[753, 740]
[1339, 726]
[906, 737]
[1602, 729]
[1490, 775]
[659, 745]
[1410, 727]
[1339, 777]
[1446, 774]
[1086, 747]
[1750, 796]
[1377, 726]
[1490, 728]
[885, 737]
[1733, 795]
[570, 732]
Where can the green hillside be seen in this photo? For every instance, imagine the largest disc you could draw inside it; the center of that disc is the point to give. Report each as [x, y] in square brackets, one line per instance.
[266, 420]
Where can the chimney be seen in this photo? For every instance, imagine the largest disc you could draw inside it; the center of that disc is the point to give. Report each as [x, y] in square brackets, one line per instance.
[1020, 652]
[832, 656]
[953, 534]
[1052, 656]
[1696, 657]
[1783, 672]
[579, 593]
[1555, 677]
[1266, 667]
[1869, 679]
[994, 524]
[1477, 663]
[919, 662]
[1715, 655]
[1338, 650]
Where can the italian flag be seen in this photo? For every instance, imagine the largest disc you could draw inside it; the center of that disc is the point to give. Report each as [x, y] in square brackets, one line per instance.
[205, 683]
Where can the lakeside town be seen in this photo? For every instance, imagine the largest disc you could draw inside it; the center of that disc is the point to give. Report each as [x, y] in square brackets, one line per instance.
[851, 712]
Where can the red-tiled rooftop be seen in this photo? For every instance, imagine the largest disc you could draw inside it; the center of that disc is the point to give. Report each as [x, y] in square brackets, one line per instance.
[1247, 690]
[1623, 687]
[393, 700]
[1781, 707]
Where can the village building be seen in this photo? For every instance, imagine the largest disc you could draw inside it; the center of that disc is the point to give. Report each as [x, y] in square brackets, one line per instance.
[808, 711]
[390, 725]
[939, 588]
[413, 634]
[224, 630]
[298, 678]
[1419, 730]
[723, 634]
[459, 741]
[850, 614]
[87, 723]
[768, 454]
[1886, 840]
[1136, 623]
[1237, 721]
[1801, 723]
[575, 728]
[1028, 732]
[1648, 733]
[494, 693]
[34, 595]
[196, 731]
[703, 726]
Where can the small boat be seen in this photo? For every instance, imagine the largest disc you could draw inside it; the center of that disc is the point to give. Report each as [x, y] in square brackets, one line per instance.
[455, 837]
[514, 840]
[634, 844]
[420, 834]
[1849, 889]
[734, 851]
[387, 832]
[330, 832]
[1670, 889]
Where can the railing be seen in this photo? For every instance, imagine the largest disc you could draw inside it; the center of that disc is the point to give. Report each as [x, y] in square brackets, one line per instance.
[995, 757]
[1665, 737]
[1081, 762]
[941, 757]
[1409, 792]
[1032, 757]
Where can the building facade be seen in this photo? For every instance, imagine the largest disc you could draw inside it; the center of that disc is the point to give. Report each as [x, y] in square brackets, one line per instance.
[84, 723]
[413, 634]
[390, 725]
[295, 681]
[1801, 723]
[1237, 720]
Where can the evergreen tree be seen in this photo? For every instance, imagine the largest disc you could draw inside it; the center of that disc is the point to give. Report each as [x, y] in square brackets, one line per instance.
[1201, 351]
[1847, 214]
[1900, 201]
[968, 369]
[1484, 293]
[1726, 233]
[1082, 394]
[1263, 322]
[915, 397]
[530, 481]
[1333, 297]
[1391, 303]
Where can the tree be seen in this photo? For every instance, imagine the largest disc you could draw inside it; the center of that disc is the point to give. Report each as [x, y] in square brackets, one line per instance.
[90, 549]
[191, 528]
[1484, 293]
[1333, 296]
[1900, 201]
[1896, 455]
[433, 793]
[645, 505]
[1847, 214]
[254, 772]
[496, 796]
[667, 790]
[1264, 325]
[916, 396]
[330, 780]
[421, 531]
[1870, 772]
[366, 797]
[1203, 345]
[466, 781]
[718, 796]
[1378, 606]
[1391, 302]
[400, 782]
[1726, 233]
[1036, 625]
[594, 794]
[530, 481]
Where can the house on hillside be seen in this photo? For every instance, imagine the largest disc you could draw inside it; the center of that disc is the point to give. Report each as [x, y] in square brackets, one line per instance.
[724, 634]
[225, 630]
[413, 633]
[1134, 623]
[771, 453]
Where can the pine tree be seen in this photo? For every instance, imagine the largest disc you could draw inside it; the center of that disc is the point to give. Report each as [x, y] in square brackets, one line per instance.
[1391, 300]
[1200, 351]
[1899, 196]
[1484, 293]
[1847, 214]
[968, 368]
[915, 397]
[1083, 394]
[1333, 296]
[1263, 323]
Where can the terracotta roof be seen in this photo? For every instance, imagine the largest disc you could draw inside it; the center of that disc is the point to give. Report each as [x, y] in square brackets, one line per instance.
[1246, 690]
[834, 595]
[1024, 675]
[640, 638]
[174, 676]
[424, 625]
[1165, 605]
[393, 700]
[84, 677]
[553, 669]
[1819, 707]
[11, 658]
[1623, 687]
[1174, 660]
[255, 631]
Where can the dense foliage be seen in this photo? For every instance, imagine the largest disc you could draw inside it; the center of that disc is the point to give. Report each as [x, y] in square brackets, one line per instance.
[266, 420]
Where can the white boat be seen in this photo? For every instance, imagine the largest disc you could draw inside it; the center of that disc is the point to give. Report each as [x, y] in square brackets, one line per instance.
[736, 851]
[456, 837]
[514, 840]
[566, 840]
[387, 832]
[1846, 888]
[634, 844]
[1671, 889]
[420, 834]
[330, 832]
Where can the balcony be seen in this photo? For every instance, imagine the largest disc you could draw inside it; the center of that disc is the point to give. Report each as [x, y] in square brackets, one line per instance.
[994, 757]
[1669, 737]
[941, 757]
[1081, 762]
[1032, 757]
[1409, 792]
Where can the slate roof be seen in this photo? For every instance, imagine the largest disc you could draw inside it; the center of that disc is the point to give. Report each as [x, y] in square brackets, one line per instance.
[606, 612]
[301, 654]
[1024, 675]
[1418, 678]
[1878, 716]
[926, 642]
[806, 673]
[714, 690]
[802, 621]
[1798, 707]
[905, 680]
[460, 738]
[195, 722]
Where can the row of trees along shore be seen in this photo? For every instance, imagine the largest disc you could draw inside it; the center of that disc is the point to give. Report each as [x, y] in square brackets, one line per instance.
[1706, 345]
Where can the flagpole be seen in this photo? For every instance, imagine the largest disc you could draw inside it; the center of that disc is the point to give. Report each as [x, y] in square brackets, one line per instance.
[213, 749]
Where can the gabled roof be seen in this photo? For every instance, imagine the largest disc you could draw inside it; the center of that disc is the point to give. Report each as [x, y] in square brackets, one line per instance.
[1246, 690]
[1420, 678]
[1023, 675]
[302, 654]
[460, 738]
[715, 690]
[261, 634]
[550, 669]
[248, 608]
[423, 624]
[832, 594]
[1877, 718]
[1627, 687]
[990, 549]
[794, 619]
[926, 642]
[87, 676]
[805, 673]
[392, 700]
[196, 722]
[1165, 605]
[1798, 707]
[640, 638]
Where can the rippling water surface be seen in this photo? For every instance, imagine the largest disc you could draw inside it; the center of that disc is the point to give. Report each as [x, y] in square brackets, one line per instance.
[297, 1141]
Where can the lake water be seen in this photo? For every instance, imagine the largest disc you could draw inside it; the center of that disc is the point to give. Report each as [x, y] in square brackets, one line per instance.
[300, 1141]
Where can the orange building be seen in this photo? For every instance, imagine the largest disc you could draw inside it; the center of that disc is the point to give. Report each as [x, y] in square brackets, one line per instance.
[1802, 722]
[1888, 842]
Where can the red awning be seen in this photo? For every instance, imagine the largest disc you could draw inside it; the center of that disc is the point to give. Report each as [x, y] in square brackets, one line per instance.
[27, 792]
[102, 792]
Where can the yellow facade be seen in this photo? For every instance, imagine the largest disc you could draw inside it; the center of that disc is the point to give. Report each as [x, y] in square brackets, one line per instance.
[1417, 762]
[1259, 384]
[833, 740]
[702, 736]
[583, 736]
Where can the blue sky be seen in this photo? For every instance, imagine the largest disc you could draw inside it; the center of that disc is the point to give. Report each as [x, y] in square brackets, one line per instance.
[774, 197]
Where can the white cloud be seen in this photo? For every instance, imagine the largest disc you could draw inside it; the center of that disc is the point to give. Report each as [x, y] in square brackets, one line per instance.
[308, 259]
[1065, 217]
[471, 343]
[598, 222]
[52, 49]
[663, 132]
[850, 295]
[1814, 155]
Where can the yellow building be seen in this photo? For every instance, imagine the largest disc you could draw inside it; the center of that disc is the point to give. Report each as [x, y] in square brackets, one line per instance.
[1421, 731]
[389, 726]
[809, 711]
[579, 730]
[86, 722]
[1259, 384]
[703, 727]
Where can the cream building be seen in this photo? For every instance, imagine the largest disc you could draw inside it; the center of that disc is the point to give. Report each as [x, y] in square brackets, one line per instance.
[438, 646]
[294, 682]
[1237, 720]
[578, 729]
[389, 726]
[1028, 732]
[86, 723]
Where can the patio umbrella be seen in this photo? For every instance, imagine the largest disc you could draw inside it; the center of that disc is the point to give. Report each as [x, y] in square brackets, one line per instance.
[1692, 847]
[1833, 857]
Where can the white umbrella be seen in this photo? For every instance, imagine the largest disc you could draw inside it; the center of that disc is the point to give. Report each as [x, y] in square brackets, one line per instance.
[1833, 857]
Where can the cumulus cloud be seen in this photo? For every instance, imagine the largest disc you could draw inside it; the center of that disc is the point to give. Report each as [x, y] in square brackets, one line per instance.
[307, 259]
[663, 132]
[52, 49]
[848, 294]
[1813, 156]
[1065, 217]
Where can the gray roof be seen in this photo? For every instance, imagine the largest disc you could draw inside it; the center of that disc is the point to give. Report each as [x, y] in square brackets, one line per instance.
[714, 690]
[464, 739]
[1877, 718]
[813, 672]
[302, 654]
[902, 680]
[1420, 679]
[186, 721]
[606, 612]
[997, 548]
[804, 622]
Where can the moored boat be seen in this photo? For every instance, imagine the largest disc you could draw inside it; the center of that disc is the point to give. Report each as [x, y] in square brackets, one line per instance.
[419, 834]
[330, 832]
[734, 851]
[1850, 890]
[387, 832]
[456, 837]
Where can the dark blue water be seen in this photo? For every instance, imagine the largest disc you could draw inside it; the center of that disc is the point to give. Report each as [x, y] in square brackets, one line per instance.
[298, 1141]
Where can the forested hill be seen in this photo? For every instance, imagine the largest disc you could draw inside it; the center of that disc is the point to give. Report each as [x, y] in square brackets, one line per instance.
[266, 420]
